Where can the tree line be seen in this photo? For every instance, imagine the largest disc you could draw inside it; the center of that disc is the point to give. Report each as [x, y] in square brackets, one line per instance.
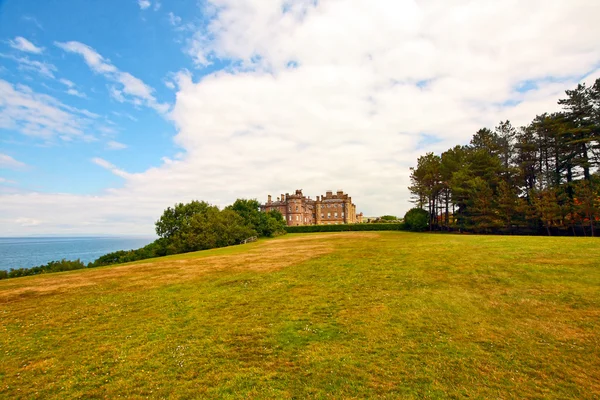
[542, 178]
[193, 226]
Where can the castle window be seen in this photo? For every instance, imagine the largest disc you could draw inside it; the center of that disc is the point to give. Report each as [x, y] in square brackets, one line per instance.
[322, 215]
[336, 215]
[296, 208]
[328, 215]
[342, 215]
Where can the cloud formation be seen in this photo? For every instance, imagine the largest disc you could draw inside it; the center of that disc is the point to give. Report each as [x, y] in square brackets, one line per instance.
[144, 4]
[45, 69]
[333, 95]
[174, 19]
[40, 115]
[128, 88]
[114, 145]
[22, 44]
[110, 167]
[7, 161]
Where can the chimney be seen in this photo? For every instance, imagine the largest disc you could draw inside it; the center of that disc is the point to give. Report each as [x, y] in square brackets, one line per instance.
[269, 199]
[282, 197]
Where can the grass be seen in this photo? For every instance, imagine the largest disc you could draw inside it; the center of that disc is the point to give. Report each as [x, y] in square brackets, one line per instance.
[334, 315]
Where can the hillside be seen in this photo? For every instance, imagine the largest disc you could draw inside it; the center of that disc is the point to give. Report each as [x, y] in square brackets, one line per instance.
[342, 315]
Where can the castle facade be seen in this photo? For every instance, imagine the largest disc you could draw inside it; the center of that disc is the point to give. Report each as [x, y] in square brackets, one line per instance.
[330, 209]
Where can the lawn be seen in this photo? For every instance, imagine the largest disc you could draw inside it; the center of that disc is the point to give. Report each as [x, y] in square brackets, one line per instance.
[334, 315]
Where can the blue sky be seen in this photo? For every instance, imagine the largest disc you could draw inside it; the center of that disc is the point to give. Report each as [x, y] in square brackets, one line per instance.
[111, 111]
[141, 42]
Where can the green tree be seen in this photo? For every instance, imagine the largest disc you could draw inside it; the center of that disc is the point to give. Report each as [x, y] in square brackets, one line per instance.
[262, 223]
[588, 203]
[427, 185]
[249, 210]
[272, 223]
[482, 211]
[177, 219]
[545, 204]
[579, 112]
[508, 204]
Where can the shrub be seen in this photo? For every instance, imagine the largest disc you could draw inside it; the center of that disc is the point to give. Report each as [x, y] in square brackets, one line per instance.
[416, 219]
[344, 228]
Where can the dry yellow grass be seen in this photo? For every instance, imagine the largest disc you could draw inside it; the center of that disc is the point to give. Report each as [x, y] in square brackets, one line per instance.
[336, 315]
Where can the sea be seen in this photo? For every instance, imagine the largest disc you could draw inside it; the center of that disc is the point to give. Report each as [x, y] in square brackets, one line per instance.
[27, 252]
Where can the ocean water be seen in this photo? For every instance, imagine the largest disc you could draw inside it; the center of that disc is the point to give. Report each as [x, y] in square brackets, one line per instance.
[30, 252]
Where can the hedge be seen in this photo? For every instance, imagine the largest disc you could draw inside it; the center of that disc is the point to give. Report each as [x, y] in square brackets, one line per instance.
[344, 228]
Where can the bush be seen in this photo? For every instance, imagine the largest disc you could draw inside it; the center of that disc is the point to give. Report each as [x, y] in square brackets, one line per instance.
[52, 266]
[416, 219]
[344, 228]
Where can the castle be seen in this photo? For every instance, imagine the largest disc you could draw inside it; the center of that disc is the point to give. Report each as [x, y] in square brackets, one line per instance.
[330, 209]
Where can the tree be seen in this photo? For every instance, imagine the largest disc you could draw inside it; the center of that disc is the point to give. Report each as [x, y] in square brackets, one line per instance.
[482, 213]
[272, 223]
[579, 112]
[427, 184]
[262, 223]
[491, 181]
[215, 228]
[249, 210]
[177, 219]
[587, 203]
[508, 204]
[545, 204]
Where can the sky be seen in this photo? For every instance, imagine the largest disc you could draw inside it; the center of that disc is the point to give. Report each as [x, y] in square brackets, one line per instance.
[112, 111]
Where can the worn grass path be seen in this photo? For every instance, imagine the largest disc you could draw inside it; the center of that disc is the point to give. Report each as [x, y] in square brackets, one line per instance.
[338, 315]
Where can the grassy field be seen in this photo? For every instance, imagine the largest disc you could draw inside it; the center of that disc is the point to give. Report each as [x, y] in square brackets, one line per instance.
[336, 315]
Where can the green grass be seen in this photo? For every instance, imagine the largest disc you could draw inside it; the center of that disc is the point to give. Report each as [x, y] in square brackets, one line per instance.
[334, 315]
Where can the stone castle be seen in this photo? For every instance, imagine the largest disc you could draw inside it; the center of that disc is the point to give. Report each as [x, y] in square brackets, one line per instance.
[330, 209]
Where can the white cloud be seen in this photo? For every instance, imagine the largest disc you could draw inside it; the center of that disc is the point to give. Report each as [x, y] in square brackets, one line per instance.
[144, 4]
[7, 161]
[27, 222]
[22, 44]
[321, 95]
[67, 83]
[125, 115]
[75, 92]
[4, 180]
[42, 68]
[40, 115]
[33, 20]
[111, 167]
[94, 60]
[71, 88]
[174, 19]
[130, 88]
[116, 94]
[113, 145]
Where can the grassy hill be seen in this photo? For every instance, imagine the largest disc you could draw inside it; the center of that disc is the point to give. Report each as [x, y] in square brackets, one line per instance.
[342, 315]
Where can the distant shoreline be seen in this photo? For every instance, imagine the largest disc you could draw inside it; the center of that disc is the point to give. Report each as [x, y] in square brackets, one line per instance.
[32, 251]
